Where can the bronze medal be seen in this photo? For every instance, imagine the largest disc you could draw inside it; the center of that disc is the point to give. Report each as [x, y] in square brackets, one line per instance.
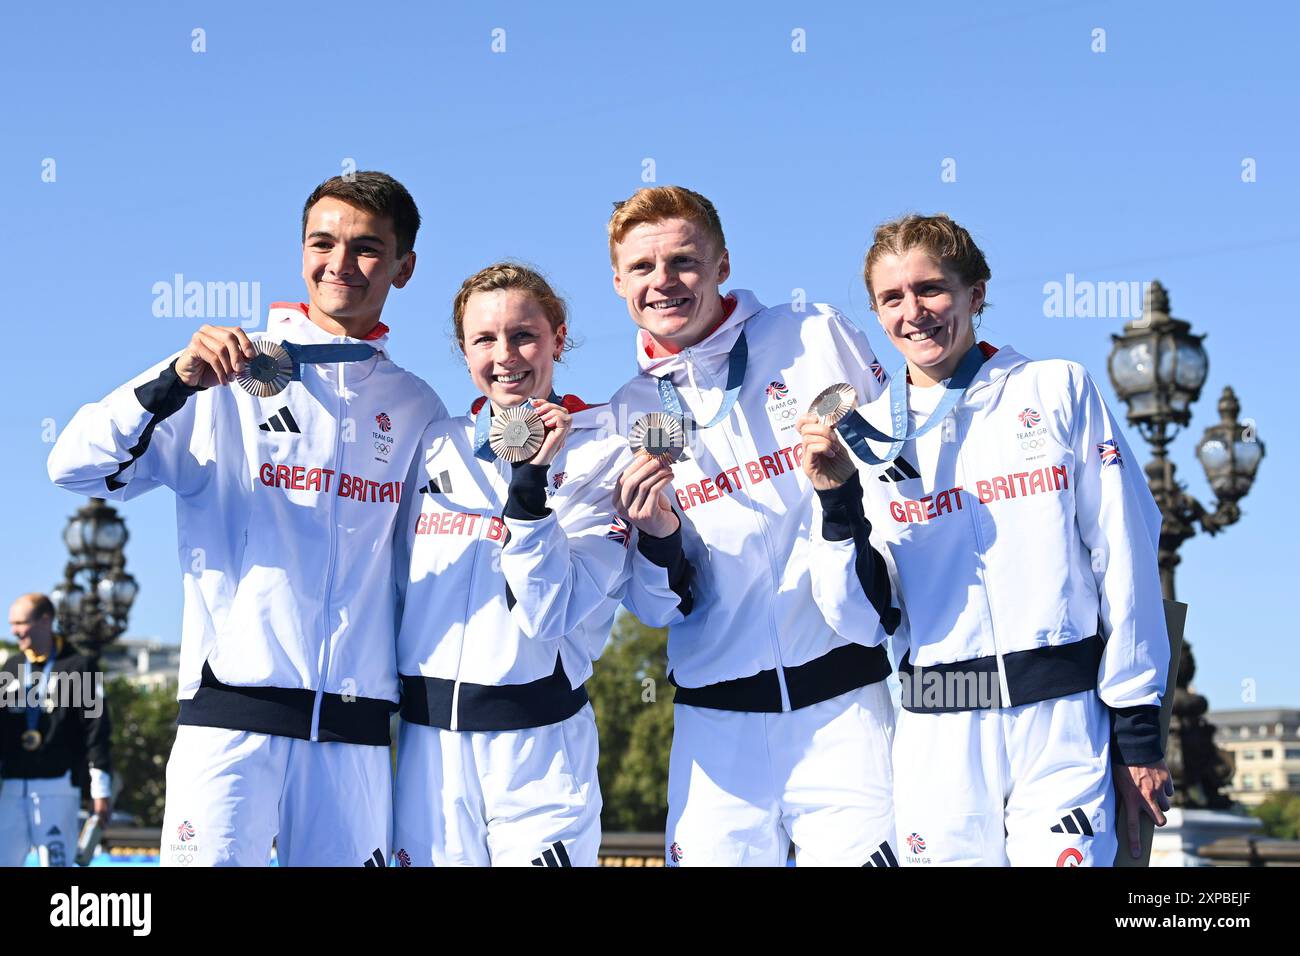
[516, 434]
[658, 434]
[268, 372]
[834, 403]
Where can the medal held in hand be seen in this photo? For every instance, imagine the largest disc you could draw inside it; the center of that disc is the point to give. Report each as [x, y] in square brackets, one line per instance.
[268, 372]
[516, 434]
[834, 403]
[658, 434]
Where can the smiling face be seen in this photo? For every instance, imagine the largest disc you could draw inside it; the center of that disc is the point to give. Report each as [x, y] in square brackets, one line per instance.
[509, 346]
[30, 629]
[669, 273]
[926, 311]
[349, 262]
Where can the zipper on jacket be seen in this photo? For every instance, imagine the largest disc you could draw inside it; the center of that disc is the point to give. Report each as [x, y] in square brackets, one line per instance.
[469, 599]
[1003, 690]
[775, 640]
[325, 651]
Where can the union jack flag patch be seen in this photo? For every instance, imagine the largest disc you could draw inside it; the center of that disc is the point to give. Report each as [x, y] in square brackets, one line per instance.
[618, 531]
[1109, 451]
[877, 372]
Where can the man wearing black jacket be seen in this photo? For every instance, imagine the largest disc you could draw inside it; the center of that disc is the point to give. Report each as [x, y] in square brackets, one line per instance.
[52, 723]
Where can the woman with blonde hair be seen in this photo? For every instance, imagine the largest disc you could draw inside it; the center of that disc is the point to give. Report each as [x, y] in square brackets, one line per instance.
[513, 565]
[1021, 538]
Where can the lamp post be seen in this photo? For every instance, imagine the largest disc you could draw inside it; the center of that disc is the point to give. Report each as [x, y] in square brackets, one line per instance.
[1157, 368]
[95, 596]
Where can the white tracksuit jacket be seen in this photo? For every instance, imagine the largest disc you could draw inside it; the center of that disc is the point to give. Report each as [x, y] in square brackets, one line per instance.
[512, 576]
[285, 513]
[1015, 535]
[746, 512]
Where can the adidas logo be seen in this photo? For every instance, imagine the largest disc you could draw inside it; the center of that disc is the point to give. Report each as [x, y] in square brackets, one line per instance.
[438, 486]
[1076, 822]
[900, 470]
[883, 857]
[555, 856]
[376, 859]
[281, 421]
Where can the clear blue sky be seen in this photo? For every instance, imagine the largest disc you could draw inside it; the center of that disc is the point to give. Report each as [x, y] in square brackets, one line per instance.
[1123, 165]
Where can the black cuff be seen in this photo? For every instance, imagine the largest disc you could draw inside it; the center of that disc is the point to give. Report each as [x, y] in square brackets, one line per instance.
[842, 510]
[526, 499]
[668, 553]
[1135, 735]
[663, 552]
[166, 394]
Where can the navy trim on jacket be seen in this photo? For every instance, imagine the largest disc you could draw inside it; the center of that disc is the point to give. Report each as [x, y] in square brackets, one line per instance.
[547, 700]
[287, 712]
[836, 672]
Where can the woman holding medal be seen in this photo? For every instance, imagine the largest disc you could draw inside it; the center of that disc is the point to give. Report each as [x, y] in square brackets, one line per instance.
[1021, 537]
[514, 563]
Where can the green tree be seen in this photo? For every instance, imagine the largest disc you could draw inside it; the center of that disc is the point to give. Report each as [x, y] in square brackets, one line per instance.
[633, 701]
[1281, 815]
[144, 726]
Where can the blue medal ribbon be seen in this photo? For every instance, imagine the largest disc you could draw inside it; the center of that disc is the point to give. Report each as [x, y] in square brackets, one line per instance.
[483, 424]
[33, 714]
[320, 354]
[856, 430]
[737, 363]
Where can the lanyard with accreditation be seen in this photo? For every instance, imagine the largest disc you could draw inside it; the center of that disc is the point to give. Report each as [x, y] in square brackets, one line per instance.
[737, 364]
[856, 430]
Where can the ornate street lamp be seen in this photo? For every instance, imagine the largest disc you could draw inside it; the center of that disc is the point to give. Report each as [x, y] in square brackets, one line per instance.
[95, 597]
[1157, 368]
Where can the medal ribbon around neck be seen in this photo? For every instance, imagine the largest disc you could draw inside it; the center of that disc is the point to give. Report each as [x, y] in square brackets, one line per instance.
[737, 363]
[276, 364]
[33, 714]
[483, 425]
[856, 430]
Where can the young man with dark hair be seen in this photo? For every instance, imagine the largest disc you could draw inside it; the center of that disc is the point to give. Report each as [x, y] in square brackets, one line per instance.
[287, 451]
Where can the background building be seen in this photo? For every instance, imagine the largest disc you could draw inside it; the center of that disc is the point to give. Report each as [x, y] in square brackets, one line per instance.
[1264, 743]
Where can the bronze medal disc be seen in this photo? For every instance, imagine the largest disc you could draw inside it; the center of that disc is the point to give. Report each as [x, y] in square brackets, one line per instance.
[834, 403]
[658, 434]
[268, 372]
[516, 434]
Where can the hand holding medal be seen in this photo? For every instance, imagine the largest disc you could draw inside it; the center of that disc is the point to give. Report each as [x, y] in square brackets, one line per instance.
[825, 459]
[215, 356]
[556, 422]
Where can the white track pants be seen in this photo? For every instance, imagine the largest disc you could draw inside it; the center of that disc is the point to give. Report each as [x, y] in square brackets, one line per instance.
[498, 798]
[742, 786]
[231, 792]
[41, 814]
[1019, 786]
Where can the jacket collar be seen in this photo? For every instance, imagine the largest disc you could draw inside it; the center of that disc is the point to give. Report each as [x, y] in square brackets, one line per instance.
[288, 322]
[710, 351]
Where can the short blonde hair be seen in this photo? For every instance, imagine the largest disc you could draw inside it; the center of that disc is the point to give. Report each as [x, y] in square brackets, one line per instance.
[501, 276]
[938, 236]
[657, 203]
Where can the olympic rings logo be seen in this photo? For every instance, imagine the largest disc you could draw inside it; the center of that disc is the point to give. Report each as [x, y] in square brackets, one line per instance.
[1033, 443]
[382, 448]
[785, 414]
[183, 858]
